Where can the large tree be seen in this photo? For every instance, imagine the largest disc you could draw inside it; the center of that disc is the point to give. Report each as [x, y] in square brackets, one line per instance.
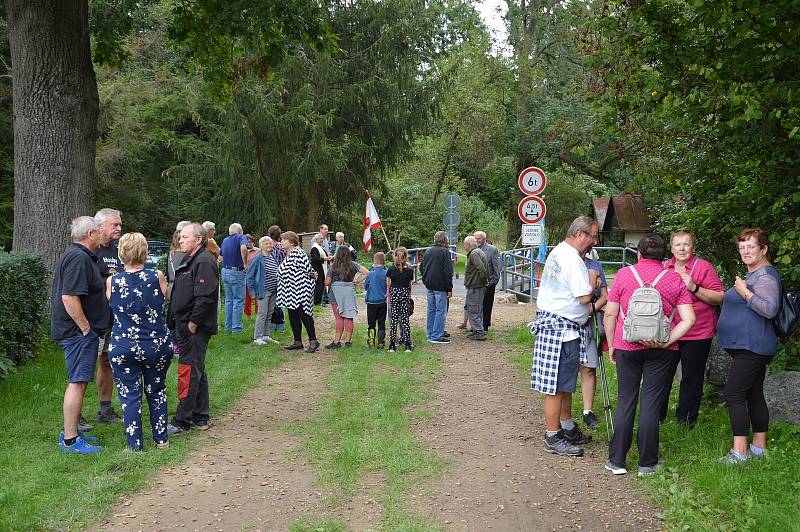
[55, 120]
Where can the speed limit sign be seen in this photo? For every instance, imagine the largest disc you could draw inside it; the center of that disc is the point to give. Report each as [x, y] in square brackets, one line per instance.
[531, 210]
[532, 181]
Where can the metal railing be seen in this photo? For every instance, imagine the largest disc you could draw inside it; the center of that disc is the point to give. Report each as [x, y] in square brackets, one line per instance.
[415, 256]
[520, 268]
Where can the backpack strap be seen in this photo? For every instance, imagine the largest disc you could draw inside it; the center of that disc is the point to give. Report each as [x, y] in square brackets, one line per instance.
[636, 275]
[661, 274]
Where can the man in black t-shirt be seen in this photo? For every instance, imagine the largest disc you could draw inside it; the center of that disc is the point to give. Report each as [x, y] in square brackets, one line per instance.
[79, 315]
[109, 227]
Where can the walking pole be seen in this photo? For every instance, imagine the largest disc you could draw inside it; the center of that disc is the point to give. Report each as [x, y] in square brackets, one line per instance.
[609, 416]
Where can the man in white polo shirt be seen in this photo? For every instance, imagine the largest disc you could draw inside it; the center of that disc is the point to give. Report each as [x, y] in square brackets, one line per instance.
[563, 306]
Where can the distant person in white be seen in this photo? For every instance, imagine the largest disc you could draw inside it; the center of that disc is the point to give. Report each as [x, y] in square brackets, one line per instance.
[563, 307]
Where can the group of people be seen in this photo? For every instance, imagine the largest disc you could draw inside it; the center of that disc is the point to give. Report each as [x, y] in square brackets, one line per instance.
[575, 309]
[107, 307]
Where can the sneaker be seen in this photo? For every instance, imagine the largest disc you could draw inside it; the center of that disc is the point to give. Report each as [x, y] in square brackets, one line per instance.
[259, 341]
[296, 345]
[83, 425]
[333, 345]
[108, 417]
[558, 444]
[575, 436]
[441, 340]
[478, 336]
[409, 348]
[84, 437]
[650, 470]
[381, 346]
[172, 430]
[200, 425]
[270, 340]
[445, 334]
[615, 469]
[591, 421]
[392, 347]
[733, 458]
[80, 447]
[756, 456]
[313, 345]
[371, 338]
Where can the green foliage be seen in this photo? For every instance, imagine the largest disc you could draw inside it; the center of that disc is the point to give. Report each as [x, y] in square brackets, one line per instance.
[6, 142]
[23, 290]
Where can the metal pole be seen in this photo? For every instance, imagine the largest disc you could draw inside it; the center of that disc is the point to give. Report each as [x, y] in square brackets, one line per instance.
[532, 273]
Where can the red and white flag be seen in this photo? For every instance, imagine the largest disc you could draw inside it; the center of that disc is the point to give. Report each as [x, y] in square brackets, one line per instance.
[371, 221]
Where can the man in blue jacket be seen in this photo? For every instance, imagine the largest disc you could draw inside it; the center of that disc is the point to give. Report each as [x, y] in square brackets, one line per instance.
[375, 286]
[437, 276]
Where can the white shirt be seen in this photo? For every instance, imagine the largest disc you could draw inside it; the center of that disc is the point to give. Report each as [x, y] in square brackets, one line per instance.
[565, 279]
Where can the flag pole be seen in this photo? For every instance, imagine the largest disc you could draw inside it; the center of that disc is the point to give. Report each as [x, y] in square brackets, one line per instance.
[388, 244]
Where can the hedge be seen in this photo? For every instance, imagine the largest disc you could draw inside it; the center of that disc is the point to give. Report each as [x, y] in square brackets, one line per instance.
[23, 293]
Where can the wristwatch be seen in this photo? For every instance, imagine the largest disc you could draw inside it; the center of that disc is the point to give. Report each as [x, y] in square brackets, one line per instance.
[696, 288]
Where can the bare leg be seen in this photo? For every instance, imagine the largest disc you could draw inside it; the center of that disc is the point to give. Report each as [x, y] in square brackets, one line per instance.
[588, 385]
[552, 411]
[566, 406]
[73, 403]
[105, 379]
[740, 444]
[760, 439]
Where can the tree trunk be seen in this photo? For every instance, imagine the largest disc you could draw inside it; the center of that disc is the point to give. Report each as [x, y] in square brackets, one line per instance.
[55, 121]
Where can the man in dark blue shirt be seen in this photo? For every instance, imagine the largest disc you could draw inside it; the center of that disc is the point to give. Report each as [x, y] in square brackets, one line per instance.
[234, 267]
[79, 315]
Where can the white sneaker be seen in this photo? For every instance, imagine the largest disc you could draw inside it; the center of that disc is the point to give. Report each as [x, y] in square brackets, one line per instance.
[270, 340]
[259, 341]
[617, 470]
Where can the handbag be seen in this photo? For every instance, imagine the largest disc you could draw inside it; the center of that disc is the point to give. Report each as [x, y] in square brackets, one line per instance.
[788, 316]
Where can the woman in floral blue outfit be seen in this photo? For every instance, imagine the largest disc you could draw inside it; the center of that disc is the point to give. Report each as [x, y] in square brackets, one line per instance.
[139, 348]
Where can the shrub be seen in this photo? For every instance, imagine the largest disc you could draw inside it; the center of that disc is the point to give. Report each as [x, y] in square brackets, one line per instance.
[23, 293]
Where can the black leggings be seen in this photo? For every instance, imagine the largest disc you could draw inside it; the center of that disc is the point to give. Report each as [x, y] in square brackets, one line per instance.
[297, 319]
[693, 355]
[744, 392]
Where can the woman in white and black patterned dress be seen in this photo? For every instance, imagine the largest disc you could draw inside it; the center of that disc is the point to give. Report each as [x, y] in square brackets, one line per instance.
[296, 281]
[398, 282]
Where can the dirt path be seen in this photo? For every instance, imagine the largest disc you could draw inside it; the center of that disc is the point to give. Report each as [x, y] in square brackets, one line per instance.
[489, 427]
[486, 424]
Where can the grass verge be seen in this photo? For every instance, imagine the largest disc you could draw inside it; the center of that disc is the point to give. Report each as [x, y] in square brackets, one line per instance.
[43, 488]
[365, 425]
[695, 491]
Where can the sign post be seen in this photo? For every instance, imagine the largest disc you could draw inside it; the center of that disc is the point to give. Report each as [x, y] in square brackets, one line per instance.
[451, 219]
[531, 211]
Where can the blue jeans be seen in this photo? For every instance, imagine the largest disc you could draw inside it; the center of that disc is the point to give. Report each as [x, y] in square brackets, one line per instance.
[233, 280]
[437, 314]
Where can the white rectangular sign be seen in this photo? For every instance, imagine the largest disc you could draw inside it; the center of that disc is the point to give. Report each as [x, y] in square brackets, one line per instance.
[532, 234]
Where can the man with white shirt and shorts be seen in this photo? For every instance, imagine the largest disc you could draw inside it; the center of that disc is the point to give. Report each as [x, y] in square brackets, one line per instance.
[563, 307]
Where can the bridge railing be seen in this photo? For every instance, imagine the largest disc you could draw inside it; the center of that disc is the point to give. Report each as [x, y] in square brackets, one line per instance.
[521, 269]
[415, 256]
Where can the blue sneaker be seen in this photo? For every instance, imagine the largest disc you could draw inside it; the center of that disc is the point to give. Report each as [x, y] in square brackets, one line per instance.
[84, 437]
[80, 447]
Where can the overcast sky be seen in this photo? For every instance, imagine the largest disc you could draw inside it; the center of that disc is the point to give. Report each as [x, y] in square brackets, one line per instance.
[494, 20]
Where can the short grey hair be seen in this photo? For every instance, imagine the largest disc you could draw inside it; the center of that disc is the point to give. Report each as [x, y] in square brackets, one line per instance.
[479, 234]
[235, 229]
[581, 223]
[263, 240]
[80, 227]
[209, 226]
[318, 236]
[440, 238]
[470, 240]
[339, 233]
[102, 215]
[198, 231]
[182, 224]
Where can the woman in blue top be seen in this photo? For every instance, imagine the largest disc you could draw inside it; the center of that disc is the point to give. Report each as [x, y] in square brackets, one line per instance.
[745, 330]
[140, 341]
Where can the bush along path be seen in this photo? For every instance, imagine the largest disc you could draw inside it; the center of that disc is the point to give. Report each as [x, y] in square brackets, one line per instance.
[445, 437]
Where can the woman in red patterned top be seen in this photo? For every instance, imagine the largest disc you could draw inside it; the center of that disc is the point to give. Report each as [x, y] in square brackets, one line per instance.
[644, 363]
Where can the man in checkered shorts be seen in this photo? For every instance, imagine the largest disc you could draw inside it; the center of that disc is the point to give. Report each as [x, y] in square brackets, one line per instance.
[563, 307]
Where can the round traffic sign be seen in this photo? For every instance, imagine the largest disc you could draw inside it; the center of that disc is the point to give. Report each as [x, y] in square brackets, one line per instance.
[452, 201]
[451, 219]
[531, 210]
[532, 181]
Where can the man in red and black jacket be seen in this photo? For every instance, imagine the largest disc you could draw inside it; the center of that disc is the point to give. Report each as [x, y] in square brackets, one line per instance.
[193, 316]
